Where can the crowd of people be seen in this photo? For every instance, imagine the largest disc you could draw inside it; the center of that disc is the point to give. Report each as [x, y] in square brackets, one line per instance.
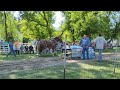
[17, 48]
[98, 43]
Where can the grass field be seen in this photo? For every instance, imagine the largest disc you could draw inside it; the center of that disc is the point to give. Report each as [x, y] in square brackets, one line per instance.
[83, 70]
[19, 57]
[27, 56]
[76, 70]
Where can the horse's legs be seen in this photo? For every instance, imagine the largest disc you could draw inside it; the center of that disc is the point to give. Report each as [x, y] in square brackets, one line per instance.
[52, 50]
[49, 50]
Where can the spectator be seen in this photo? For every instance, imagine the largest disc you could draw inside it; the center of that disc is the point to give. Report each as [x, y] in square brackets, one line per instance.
[17, 49]
[85, 45]
[21, 49]
[26, 48]
[100, 42]
[31, 49]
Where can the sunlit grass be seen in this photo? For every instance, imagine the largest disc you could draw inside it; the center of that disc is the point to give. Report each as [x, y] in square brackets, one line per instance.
[27, 56]
[18, 57]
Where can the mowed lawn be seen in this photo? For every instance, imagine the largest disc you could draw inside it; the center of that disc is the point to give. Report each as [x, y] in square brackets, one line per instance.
[19, 57]
[26, 56]
[75, 70]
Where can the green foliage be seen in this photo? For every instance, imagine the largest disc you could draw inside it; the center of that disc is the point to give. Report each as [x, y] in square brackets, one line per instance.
[38, 25]
[92, 23]
[11, 26]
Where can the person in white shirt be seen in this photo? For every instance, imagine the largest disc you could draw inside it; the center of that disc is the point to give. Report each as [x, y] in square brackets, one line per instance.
[100, 42]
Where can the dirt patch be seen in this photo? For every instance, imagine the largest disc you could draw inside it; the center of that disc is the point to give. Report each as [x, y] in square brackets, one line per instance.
[14, 66]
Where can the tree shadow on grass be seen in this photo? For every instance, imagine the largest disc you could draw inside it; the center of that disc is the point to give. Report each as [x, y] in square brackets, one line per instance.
[55, 72]
[75, 71]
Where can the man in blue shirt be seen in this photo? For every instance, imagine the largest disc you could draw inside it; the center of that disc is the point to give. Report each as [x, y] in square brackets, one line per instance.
[11, 49]
[85, 44]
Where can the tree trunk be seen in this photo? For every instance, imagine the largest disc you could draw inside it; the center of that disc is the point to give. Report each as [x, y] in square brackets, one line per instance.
[6, 33]
[47, 25]
[73, 38]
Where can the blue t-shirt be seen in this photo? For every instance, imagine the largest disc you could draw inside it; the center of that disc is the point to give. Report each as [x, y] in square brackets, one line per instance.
[85, 42]
[11, 45]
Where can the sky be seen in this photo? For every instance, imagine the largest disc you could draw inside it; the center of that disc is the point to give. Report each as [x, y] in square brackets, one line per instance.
[58, 18]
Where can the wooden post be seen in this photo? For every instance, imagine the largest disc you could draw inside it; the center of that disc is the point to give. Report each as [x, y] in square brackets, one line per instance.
[115, 57]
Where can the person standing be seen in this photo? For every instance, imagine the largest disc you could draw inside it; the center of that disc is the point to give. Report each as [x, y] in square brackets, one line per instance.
[100, 43]
[84, 43]
[11, 49]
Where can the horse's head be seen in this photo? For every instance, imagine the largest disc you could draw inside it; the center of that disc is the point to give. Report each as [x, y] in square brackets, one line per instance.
[58, 39]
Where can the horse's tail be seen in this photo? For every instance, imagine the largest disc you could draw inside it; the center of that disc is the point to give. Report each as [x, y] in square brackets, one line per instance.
[37, 47]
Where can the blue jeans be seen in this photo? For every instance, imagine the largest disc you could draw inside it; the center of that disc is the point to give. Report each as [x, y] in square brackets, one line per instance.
[99, 54]
[12, 51]
[85, 49]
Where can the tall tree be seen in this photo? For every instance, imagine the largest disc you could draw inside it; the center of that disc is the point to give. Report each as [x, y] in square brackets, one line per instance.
[5, 25]
[39, 23]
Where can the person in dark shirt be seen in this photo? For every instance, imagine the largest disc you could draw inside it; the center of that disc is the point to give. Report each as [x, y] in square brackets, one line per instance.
[26, 48]
[21, 49]
[31, 49]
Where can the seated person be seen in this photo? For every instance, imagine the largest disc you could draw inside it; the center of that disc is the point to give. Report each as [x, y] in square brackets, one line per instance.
[67, 48]
[26, 48]
[31, 49]
[21, 49]
[17, 49]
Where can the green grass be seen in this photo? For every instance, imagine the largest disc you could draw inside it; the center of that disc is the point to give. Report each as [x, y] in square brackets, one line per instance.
[83, 70]
[45, 73]
[58, 53]
[19, 57]
[27, 56]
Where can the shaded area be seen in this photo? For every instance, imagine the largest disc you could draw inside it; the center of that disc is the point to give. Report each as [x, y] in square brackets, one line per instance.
[92, 70]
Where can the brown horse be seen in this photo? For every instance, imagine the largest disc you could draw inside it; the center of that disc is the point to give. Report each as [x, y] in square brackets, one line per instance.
[41, 45]
[53, 42]
[50, 44]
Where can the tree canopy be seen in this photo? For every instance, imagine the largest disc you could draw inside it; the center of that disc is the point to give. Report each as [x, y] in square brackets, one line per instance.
[39, 25]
